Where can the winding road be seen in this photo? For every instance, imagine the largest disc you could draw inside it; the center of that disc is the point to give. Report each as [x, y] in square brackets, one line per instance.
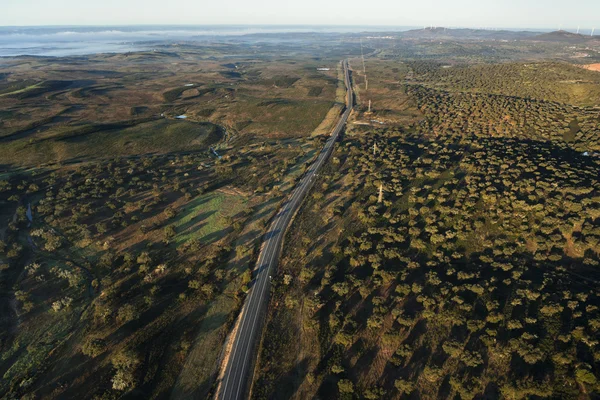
[240, 365]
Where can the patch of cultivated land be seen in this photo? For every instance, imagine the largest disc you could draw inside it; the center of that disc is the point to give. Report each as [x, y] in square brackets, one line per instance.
[593, 67]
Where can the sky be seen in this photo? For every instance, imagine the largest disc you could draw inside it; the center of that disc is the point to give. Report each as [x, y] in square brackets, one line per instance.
[548, 14]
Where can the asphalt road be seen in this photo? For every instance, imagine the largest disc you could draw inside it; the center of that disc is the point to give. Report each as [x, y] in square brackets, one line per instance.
[240, 366]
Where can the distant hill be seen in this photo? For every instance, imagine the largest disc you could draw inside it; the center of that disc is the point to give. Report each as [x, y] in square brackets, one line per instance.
[563, 37]
[467, 34]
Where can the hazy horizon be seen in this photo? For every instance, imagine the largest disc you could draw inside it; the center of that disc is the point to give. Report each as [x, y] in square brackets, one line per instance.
[511, 14]
[334, 28]
[69, 40]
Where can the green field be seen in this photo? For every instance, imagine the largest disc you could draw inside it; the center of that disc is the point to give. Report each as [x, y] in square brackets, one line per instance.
[205, 218]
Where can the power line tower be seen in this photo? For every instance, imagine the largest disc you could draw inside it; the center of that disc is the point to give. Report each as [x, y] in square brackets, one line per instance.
[362, 55]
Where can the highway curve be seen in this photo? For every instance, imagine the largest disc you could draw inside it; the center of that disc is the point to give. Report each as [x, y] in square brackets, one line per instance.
[240, 365]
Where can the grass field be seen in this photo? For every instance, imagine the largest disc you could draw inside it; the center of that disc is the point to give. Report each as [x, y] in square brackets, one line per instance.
[206, 218]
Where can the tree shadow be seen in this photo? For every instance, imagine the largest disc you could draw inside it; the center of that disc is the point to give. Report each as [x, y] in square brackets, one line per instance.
[186, 386]
[194, 221]
[491, 392]
[249, 237]
[287, 385]
[214, 236]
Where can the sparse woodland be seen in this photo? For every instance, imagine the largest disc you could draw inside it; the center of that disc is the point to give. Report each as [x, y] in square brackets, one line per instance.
[548, 81]
[124, 260]
[476, 276]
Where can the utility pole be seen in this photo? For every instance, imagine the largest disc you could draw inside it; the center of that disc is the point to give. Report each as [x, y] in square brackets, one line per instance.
[369, 106]
[375, 148]
[362, 55]
[380, 200]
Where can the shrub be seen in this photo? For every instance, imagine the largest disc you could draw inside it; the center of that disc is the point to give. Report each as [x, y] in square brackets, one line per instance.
[93, 347]
[125, 363]
[585, 376]
[404, 386]
[127, 313]
[345, 386]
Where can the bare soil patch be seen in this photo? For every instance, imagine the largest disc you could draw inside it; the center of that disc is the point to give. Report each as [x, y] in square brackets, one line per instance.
[593, 67]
